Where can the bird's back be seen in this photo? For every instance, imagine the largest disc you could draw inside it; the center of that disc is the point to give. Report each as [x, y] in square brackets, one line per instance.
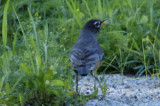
[85, 53]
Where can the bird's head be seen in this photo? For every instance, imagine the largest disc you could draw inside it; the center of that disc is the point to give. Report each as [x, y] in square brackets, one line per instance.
[94, 25]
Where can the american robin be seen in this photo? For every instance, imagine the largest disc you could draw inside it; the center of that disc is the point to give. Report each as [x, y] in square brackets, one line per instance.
[86, 53]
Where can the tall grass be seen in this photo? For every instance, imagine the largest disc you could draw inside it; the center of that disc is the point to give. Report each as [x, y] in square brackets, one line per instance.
[4, 24]
[35, 66]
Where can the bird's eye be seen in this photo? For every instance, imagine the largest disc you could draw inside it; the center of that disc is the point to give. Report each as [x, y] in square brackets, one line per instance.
[97, 24]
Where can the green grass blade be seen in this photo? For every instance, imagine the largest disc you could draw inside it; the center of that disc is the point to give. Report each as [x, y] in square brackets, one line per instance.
[4, 24]
[1, 82]
[14, 41]
[100, 8]
[88, 9]
[73, 10]
[33, 24]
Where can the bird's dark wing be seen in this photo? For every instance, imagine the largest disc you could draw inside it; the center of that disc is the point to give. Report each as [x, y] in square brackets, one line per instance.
[84, 56]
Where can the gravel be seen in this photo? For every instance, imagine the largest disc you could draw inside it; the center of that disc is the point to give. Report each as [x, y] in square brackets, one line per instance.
[123, 91]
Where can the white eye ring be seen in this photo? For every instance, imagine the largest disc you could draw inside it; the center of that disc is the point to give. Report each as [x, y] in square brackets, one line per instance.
[97, 24]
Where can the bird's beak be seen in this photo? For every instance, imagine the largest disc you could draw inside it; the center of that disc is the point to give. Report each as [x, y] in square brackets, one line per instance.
[104, 22]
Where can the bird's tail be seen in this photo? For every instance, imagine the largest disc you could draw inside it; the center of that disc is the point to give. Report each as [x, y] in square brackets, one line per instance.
[83, 71]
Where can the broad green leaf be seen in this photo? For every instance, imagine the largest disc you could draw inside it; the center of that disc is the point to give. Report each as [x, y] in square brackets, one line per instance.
[57, 83]
[144, 19]
[48, 75]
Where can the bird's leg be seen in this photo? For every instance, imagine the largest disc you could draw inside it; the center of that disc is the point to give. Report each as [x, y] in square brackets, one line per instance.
[95, 76]
[76, 81]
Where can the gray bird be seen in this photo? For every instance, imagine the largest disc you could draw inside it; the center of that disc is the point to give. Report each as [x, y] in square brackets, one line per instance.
[86, 53]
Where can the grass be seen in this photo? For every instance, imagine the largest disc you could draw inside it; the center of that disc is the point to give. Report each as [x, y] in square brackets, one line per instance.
[36, 42]
[4, 25]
